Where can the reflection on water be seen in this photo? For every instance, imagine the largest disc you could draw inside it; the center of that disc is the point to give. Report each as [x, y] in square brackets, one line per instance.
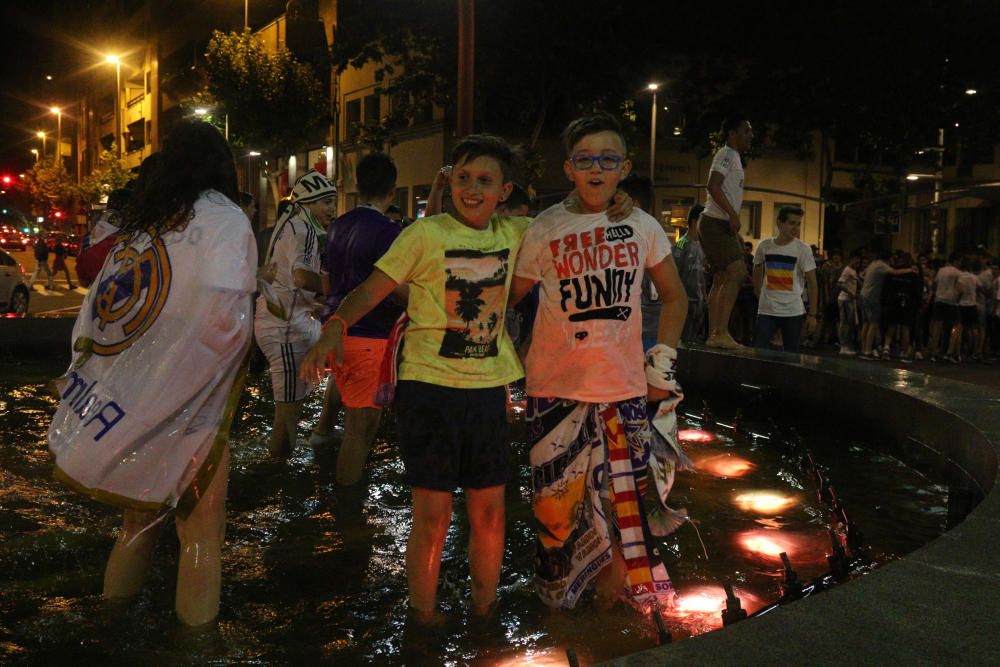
[311, 577]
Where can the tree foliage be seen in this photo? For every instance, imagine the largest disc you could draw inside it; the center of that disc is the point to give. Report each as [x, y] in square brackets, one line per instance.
[415, 61]
[274, 103]
[110, 174]
[49, 187]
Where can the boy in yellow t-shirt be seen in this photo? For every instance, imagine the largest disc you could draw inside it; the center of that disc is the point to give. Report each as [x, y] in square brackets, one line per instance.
[457, 359]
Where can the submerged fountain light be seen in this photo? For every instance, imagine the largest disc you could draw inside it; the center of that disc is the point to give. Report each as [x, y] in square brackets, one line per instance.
[699, 608]
[770, 544]
[764, 502]
[724, 465]
[696, 435]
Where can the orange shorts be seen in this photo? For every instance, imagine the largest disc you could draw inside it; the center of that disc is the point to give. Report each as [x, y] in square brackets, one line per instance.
[357, 377]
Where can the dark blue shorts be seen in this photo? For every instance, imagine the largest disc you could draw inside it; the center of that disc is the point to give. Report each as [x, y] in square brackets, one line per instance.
[451, 438]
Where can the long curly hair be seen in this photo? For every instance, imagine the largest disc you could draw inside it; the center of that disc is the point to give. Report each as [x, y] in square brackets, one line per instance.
[195, 158]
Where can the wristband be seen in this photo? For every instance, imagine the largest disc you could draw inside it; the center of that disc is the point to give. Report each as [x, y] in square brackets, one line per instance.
[343, 324]
[661, 367]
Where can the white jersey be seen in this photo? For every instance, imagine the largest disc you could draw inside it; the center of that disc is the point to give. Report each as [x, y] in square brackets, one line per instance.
[727, 162]
[158, 345]
[294, 245]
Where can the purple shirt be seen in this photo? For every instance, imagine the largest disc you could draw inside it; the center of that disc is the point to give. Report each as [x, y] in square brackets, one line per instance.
[354, 242]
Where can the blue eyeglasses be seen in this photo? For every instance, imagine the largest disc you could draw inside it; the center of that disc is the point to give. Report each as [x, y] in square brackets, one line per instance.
[582, 161]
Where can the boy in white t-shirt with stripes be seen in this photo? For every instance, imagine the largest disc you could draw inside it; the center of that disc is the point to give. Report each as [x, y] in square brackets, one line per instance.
[780, 267]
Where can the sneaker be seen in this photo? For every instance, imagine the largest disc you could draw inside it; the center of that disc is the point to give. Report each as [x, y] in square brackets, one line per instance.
[874, 354]
[867, 357]
[918, 356]
[906, 359]
[950, 359]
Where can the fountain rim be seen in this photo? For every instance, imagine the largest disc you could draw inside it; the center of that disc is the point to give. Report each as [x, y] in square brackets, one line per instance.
[914, 608]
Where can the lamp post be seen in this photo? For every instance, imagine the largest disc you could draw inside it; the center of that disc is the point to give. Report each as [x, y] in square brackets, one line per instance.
[118, 101]
[246, 14]
[652, 135]
[58, 112]
[41, 135]
[466, 64]
[34, 151]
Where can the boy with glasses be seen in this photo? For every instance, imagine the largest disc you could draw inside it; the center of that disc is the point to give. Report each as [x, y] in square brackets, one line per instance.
[587, 385]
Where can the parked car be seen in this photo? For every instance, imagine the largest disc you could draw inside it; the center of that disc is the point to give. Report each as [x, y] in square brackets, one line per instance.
[14, 293]
[13, 239]
[71, 243]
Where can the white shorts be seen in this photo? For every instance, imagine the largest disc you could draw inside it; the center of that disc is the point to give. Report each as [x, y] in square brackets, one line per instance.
[284, 358]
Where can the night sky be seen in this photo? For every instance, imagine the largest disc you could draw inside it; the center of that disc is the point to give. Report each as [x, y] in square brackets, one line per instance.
[895, 56]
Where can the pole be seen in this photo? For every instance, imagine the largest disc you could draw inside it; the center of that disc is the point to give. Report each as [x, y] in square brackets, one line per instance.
[466, 64]
[227, 127]
[59, 164]
[118, 108]
[652, 144]
[936, 211]
[44, 152]
[246, 14]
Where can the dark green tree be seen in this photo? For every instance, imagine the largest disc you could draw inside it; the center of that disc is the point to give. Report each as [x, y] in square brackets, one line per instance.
[275, 104]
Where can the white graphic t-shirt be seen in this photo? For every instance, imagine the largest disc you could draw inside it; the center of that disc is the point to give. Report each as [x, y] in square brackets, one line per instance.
[947, 285]
[728, 163]
[587, 339]
[785, 267]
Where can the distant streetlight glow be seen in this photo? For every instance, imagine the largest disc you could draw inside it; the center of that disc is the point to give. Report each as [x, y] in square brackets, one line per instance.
[912, 177]
[48, 77]
[971, 91]
[201, 111]
[113, 60]
[254, 153]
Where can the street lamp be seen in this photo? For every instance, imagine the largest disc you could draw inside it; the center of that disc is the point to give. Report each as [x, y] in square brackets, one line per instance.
[34, 151]
[203, 111]
[58, 112]
[466, 64]
[652, 135]
[118, 101]
[41, 135]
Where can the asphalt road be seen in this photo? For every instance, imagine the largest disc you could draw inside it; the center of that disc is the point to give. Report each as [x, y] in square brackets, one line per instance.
[58, 302]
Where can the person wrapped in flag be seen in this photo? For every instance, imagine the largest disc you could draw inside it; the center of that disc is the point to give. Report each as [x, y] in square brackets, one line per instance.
[591, 398]
[158, 361]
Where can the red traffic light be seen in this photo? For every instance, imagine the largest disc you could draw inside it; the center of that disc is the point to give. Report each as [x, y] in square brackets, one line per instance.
[7, 180]
[58, 214]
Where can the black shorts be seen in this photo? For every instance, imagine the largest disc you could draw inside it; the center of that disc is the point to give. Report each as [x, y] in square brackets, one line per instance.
[451, 437]
[946, 313]
[970, 318]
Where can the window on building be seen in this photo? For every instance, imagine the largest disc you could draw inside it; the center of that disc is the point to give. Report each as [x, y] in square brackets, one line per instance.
[352, 118]
[420, 194]
[403, 200]
[750, 219]
[373, 108]
[972, 227]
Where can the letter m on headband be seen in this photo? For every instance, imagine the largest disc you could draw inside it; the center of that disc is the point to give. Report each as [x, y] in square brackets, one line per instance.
[314, 183]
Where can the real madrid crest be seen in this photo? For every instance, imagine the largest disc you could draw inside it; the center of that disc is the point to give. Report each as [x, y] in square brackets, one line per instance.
[130, 296]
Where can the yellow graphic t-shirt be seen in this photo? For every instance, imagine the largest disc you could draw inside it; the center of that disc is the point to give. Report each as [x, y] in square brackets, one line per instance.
[459, 278]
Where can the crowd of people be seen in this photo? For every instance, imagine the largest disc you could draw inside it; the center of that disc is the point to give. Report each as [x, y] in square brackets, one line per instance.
[786, 294]
[416, 316]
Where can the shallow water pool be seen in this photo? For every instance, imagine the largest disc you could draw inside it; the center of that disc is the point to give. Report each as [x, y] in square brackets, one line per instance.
[313, 578]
